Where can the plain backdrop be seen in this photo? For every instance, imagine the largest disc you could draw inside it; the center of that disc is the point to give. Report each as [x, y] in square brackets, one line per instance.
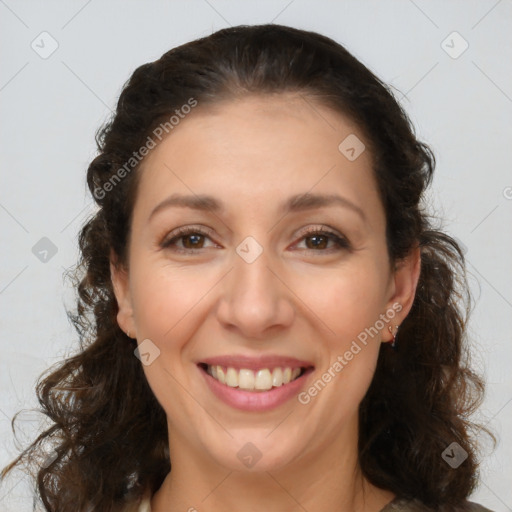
[62, 68]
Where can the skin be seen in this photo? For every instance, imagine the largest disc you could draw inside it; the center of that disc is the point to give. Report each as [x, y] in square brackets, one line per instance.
[295, 299]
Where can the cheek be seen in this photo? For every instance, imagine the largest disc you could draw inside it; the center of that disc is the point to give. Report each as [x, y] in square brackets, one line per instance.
[350, 305]
[347, 300]
[168, 308]
[165, 297]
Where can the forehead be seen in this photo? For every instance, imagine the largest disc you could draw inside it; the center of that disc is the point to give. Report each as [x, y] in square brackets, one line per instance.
[256, 149]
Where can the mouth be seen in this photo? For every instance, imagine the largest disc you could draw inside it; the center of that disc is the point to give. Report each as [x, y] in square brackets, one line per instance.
[260, 380]
[254, 384]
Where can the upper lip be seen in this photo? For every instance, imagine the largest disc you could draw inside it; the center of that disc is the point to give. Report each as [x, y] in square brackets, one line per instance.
[256, 362]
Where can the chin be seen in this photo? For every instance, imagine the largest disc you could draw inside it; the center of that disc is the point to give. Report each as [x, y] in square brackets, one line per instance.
[257, 451]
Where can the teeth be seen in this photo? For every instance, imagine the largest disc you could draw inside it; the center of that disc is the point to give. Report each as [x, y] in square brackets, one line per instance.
[246, 379]
[277, 377]
[261, 380]
[232, 378]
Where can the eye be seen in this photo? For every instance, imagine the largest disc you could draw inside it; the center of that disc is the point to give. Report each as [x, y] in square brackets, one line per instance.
[191, 238]
[317, 240]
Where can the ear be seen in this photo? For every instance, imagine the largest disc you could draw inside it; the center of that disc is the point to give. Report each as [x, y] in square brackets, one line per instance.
[121, 285]
[404, 281]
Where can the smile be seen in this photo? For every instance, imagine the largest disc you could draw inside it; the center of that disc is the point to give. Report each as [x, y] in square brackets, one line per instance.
[254, 384]
[263, 379]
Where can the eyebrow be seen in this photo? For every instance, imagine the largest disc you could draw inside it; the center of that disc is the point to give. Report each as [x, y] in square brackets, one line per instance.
[296, 203]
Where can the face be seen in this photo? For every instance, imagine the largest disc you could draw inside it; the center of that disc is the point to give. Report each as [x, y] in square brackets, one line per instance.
[266, 284]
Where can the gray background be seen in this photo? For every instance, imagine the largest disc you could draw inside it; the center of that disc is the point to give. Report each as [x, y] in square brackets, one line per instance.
[51, 107]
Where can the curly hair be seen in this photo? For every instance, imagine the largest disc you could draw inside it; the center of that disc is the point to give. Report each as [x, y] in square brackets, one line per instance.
[108, 430]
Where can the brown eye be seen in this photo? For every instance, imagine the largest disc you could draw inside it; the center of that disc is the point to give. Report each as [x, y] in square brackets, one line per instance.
[192, 241]
[187, 239]
[318, 240]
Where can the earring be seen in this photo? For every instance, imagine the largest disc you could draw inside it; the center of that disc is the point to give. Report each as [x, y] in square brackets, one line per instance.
[128, 334]
[393, 341]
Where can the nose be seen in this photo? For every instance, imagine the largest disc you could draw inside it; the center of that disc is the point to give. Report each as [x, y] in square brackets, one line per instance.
[255, 300]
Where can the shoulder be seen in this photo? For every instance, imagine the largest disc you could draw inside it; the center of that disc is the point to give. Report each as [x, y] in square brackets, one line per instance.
[145, 505]
[475, 507]
[406, 505]
[141, 505]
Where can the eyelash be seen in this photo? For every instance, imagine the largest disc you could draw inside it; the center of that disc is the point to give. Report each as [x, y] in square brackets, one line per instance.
[340, 241]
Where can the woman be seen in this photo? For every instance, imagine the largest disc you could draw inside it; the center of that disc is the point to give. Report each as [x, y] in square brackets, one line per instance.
[269, 320]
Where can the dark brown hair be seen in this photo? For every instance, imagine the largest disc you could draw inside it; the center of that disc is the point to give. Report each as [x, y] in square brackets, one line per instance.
[108, 430]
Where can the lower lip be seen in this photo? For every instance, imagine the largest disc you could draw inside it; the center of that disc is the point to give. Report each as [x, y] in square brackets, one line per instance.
[255, 400]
